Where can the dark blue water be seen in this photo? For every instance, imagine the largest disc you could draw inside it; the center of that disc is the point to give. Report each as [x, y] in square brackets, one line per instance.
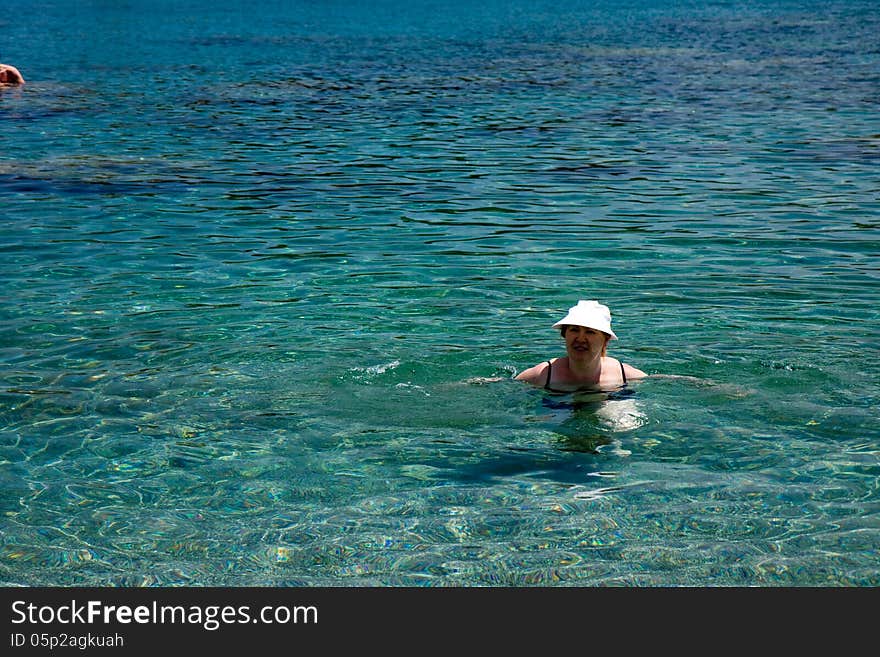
[262, 263]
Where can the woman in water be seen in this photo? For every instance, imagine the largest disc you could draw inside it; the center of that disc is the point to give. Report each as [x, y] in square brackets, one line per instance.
[586, 330]
[10, 75]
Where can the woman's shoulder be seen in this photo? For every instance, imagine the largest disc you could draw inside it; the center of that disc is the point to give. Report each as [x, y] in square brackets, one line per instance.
[536, 374]
[613, 364]
[633, 372]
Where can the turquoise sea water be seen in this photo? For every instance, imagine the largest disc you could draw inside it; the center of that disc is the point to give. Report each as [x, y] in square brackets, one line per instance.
[258, 260]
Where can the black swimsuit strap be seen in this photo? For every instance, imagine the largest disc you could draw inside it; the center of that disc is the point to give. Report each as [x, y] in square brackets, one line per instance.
[622, 372]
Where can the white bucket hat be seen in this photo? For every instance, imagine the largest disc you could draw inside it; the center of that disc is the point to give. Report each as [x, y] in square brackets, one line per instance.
[591, 314]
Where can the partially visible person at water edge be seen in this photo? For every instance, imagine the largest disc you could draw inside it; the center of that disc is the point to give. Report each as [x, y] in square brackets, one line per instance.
[586, 330]
[10, 75]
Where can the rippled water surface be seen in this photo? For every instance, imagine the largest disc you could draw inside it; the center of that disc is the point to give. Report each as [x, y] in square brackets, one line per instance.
[261, 266]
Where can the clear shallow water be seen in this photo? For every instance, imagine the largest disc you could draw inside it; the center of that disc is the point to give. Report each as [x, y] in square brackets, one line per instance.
[252, 260]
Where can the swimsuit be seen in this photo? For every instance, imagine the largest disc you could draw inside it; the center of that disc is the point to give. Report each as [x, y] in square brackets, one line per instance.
[550, 372]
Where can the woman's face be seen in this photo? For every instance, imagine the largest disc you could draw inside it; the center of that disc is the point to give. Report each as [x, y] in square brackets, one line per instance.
[581, 341]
